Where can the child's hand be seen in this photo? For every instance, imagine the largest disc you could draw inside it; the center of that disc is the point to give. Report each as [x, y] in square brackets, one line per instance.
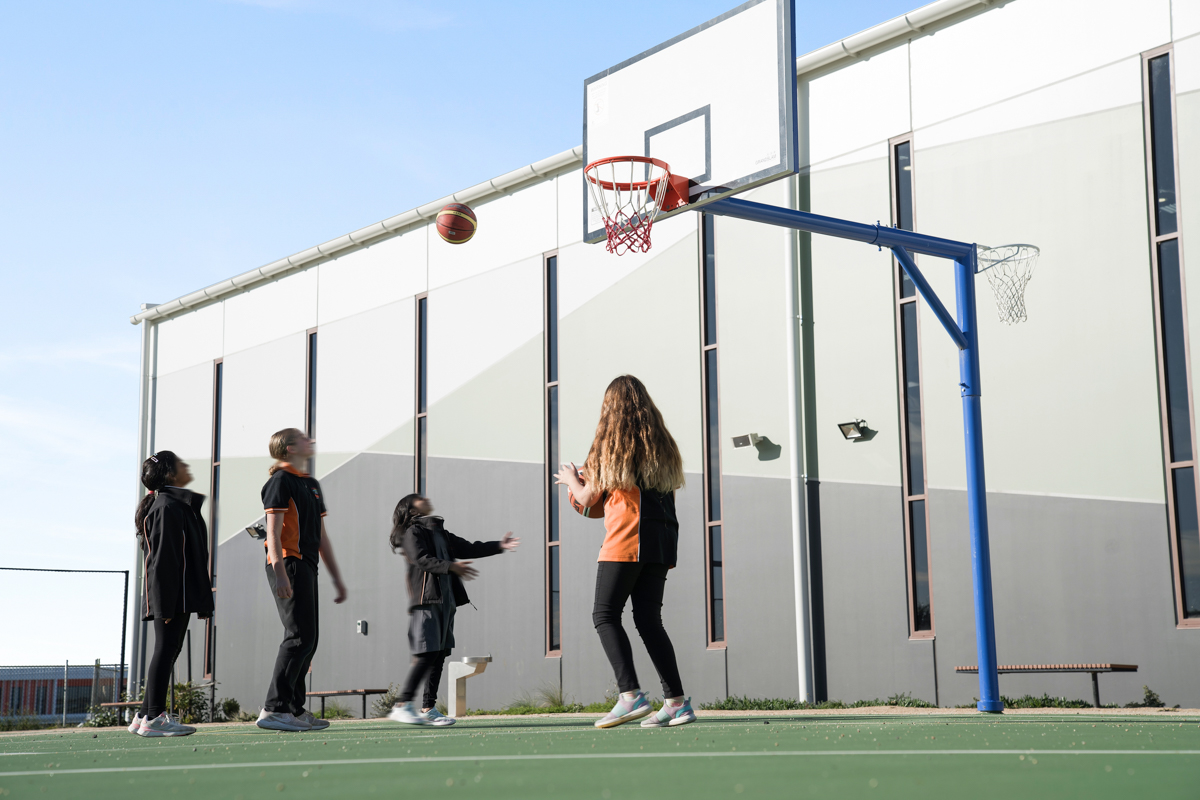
[464, 570]
[510, 542]
[568, 476]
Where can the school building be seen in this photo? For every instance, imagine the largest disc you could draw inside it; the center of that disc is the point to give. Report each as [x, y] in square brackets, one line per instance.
[810, 564]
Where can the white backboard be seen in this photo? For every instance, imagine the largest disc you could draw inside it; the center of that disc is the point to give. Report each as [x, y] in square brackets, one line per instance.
[717, 103]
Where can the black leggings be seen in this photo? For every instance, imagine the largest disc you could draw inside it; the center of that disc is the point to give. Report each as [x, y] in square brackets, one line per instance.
[168, 641]
[616, 582]
[427, 666]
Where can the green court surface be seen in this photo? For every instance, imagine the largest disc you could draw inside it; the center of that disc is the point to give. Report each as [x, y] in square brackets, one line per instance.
[737, 757]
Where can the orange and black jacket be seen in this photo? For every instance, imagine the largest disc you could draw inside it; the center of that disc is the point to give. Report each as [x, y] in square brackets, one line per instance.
[175, 552]
[639, 525]
[420, 551]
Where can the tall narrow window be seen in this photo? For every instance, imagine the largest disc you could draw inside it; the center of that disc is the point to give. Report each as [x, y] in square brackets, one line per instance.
[553, 492]
[1170, 314]
[310, 397]
[420, 471]
[214, 501]
[912, 429]
[714, 578]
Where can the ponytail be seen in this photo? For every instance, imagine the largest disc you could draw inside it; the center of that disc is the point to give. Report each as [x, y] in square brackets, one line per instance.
[157, 471]
[402, 517]
[278, 447]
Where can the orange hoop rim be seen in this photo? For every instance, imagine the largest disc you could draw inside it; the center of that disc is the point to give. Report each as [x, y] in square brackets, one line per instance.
[631, 186]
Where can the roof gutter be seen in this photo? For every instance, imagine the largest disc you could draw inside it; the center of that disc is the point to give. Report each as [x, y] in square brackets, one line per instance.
[847, 49]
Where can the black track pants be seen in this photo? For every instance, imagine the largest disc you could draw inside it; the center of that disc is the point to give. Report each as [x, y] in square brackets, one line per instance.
[298, 614]
[168, 641]
[427, 667]
[616, 582]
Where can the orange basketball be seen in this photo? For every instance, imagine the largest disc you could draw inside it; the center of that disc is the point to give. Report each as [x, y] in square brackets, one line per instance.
[456, 223]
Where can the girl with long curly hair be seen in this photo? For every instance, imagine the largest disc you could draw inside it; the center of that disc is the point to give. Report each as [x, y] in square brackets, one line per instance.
[630, 478]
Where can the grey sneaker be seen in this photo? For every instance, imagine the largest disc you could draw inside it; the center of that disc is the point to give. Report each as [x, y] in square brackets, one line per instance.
[404, 712]
[314, 723]
[280, 721]
[670, 715]
[437, 718]
[137, 722]
[163, 725]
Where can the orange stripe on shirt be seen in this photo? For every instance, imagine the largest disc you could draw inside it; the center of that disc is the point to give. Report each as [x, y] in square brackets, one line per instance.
[622, 525]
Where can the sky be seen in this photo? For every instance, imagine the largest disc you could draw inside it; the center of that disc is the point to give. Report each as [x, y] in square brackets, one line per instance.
[148, 149]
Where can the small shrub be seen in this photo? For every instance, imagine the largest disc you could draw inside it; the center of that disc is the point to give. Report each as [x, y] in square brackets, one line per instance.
[335, 710]
[905, 701]
[99, 717]
[191, 706]
[383, 703]
[23, 721]
[1150, 699]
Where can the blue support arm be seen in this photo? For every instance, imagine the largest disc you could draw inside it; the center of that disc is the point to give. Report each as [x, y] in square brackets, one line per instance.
[935, 305]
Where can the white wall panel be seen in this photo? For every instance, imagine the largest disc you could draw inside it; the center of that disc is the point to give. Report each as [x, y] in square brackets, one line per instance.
[1025, 45]
[183, 418]
[374, 276]
[271, 311]
[1113, 86]
[860, 105]
[192, 338]
[263, 392]
[511, 228]
[1187, 66]
[364, 377]
[570, 207]
[1185, 19]
[587, 270]
[475, 323]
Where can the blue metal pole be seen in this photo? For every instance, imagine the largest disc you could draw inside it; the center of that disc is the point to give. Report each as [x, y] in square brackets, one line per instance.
[876, 234]
[981, 560]
[931, 299]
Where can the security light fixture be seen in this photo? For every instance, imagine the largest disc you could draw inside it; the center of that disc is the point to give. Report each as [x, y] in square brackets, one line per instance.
[853, 430]
[362, 627]
[747, 440]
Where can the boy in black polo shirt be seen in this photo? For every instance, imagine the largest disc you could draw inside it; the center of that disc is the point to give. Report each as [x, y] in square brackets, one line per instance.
[296, 543]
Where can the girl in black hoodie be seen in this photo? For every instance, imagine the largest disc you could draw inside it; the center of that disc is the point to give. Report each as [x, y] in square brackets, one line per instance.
[176, 584]
[435, 589]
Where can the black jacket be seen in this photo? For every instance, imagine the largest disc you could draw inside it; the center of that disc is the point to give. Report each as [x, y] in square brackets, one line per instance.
[175, 556]
[421, 554]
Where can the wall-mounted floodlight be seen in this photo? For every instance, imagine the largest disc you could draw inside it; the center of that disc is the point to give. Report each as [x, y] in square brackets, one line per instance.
[747, 440]
[257, 531]
[361, 627]
[853, 430]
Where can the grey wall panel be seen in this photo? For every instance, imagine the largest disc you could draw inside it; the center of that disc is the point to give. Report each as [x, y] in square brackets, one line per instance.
[760, 616]
[1074, 580]
[866, 617]
[480, 501]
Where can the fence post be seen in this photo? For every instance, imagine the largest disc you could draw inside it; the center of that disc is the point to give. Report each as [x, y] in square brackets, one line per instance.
[66, 680]
[94, 701]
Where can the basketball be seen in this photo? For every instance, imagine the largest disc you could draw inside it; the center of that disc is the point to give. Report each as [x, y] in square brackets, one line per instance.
[456, 223]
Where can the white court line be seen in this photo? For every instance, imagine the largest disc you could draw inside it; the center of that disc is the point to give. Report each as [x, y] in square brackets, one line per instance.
[595, 756]
[23, 754]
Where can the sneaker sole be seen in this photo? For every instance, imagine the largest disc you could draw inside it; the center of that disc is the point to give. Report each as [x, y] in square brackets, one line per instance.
[630, 717]
[408, 721]
[160, 734]
[319, 727]
[279, 726]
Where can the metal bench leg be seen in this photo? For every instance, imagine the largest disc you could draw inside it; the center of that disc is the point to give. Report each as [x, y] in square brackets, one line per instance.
[322, 708]
[1096, 689]
[364, 705]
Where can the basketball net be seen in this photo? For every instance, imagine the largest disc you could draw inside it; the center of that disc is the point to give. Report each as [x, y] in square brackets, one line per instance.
[629, 191]
[1009, 268]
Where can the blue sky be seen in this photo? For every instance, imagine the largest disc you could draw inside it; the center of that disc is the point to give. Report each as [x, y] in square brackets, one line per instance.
[152, 148]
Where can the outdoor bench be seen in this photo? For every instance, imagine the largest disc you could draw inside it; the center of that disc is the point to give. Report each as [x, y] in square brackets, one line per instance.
[344, 692]
[1095, 669]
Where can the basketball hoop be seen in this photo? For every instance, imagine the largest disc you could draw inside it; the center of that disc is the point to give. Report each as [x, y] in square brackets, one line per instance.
[1009, 268]
[629, 201]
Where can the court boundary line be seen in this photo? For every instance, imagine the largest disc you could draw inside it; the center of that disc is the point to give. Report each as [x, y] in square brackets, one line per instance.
[586, 757]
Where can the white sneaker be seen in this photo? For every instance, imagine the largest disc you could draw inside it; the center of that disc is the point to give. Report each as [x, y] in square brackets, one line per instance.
[281, 721]
[137, 722]
[163, 725]
[314, 723]
[435, 717]
[407, 714]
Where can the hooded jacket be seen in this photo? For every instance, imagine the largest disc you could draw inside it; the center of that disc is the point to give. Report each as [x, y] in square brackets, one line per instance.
[421, 555]
[175, 556]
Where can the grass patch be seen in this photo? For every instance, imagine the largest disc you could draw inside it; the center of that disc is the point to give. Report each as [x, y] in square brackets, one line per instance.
[335, 710]
[786, 704]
